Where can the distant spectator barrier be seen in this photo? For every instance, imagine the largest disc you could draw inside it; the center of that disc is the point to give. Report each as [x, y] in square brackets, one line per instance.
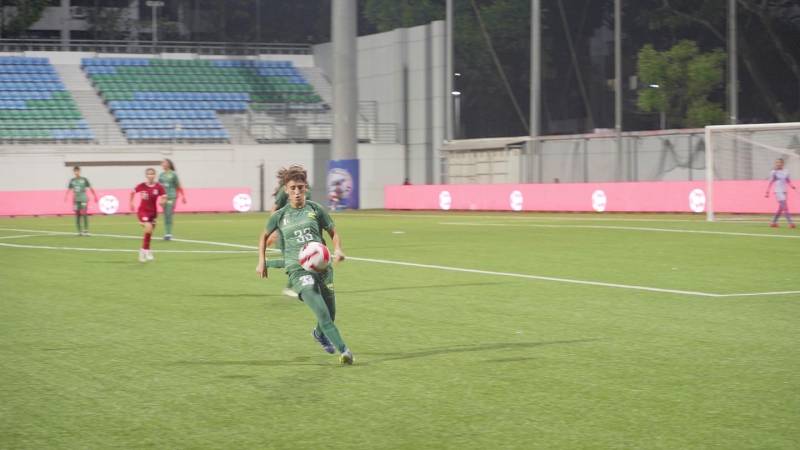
[115, 201]
[678, 196]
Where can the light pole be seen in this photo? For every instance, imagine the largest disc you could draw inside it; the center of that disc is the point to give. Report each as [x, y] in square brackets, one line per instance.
[154, 5]
[457, 116]
[662, 115]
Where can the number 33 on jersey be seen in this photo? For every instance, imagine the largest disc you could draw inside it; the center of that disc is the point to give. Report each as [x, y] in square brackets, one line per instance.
[297, 227]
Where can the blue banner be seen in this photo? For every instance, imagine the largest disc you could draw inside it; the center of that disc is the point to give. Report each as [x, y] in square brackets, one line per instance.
[342, 184]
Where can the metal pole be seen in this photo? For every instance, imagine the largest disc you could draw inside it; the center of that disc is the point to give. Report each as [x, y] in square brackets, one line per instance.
[154, 27]
[456, 95]
[448, 87]
[261, 186]
[733, 76]
[345, 87]
[618, 73]
[536, 84]
[536, 67]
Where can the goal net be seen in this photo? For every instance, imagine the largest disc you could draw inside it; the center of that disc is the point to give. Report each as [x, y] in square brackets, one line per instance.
[748, 152]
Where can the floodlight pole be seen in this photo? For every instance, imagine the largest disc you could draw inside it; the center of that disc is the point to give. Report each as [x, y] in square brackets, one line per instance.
[154, 4]
[448, 83]
[733, 76]
[536, 84]
[618, 75]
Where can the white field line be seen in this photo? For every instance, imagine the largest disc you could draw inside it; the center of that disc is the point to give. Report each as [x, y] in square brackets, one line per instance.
[119, 250]
[19, 236]
[534, 217]
[619, 227]
[430, 266]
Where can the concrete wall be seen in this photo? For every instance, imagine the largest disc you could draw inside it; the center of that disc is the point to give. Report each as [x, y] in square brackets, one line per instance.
[31, 168]
[403, 70]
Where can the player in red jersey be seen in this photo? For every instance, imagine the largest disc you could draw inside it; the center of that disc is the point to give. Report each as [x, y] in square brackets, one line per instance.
[150, 194]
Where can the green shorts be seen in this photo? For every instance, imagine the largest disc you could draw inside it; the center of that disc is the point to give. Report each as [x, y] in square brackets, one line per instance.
[80, 206]
[300, 279]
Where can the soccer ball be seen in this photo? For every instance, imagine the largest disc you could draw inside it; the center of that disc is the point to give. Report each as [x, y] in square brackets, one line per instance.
[315, 257]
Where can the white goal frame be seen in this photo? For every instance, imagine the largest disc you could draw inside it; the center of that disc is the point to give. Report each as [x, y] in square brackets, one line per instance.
[709, 133]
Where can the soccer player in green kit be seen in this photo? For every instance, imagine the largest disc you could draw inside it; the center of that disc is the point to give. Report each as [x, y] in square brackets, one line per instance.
[169, 179]
[281, 200]
[78, 186]
[297, 223]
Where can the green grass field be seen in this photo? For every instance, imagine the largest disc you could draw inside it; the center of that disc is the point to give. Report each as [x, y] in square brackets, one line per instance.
[571, 332]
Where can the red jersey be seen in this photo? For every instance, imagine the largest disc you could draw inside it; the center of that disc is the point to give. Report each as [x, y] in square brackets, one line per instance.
[149, 196]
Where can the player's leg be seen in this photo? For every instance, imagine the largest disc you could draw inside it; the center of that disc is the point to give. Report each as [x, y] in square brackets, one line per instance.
[785, 207]
[310, 293]
[326, 289]
[273, 238]
[85, 215]
[328, 294]
[148, 234]
[778, 213]
[77, 208]
[169, 209]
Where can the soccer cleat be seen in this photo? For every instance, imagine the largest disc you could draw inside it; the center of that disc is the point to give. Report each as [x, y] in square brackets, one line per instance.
[346, 357]
[148, 254]
[142, 257]
[323, 341]
[773, 225]
[791, 225]
[289, 293]
[167, 237]
[85, 232]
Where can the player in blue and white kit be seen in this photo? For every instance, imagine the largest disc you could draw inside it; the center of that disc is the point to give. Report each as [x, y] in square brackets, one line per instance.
[780, 179]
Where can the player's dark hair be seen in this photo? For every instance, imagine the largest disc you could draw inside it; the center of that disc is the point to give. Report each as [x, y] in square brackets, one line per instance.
[149, 169]
[76, 168]
[171, 164]
[295, 173]
[280, 175]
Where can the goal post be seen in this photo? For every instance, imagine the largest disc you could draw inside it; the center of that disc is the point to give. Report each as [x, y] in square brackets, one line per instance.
[748, 152]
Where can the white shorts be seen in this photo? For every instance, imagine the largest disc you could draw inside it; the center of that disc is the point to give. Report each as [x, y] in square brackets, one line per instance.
[780, 196]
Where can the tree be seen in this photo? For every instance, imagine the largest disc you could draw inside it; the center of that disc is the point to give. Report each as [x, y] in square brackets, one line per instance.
[27, 13]
[108, 23]
[679, 82]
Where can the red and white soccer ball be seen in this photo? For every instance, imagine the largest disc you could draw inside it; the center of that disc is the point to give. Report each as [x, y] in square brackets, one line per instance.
[315, 257]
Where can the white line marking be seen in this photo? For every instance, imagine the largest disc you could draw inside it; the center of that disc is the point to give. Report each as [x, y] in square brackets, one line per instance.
[537, 277]
[120, 250]
[20, 236]
[613, 227]
[753, 294]
[409, 264]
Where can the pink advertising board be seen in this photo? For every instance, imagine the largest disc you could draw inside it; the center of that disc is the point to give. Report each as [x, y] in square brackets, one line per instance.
[667, 196]
[115, 201]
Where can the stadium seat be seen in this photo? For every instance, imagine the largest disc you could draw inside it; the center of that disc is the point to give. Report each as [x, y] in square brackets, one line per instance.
[178, 91]
[35, 106]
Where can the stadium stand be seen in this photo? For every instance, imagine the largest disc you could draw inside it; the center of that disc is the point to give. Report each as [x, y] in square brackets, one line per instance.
[178, 100]
[35, 107]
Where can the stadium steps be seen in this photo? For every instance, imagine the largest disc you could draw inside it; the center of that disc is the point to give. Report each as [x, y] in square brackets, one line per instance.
[100, 120]
[319, 81]
[236, 125]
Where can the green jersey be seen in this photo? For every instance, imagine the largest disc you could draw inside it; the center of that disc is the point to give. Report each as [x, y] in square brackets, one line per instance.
[282, 198]
[298, 226]
[78, 186]
[170, 182]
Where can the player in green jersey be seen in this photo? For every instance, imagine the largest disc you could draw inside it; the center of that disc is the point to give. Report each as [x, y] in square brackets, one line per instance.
[169, 179]
[281, 200]
[78, 186]
[297, 223]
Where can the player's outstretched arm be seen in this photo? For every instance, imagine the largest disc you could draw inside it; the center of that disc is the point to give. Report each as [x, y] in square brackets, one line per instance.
[261, 268]
[95, 194]
[338, 253]
[66, 194]
[130, 202]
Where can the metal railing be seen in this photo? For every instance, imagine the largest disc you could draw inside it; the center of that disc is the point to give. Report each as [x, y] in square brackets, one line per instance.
[147, 47]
